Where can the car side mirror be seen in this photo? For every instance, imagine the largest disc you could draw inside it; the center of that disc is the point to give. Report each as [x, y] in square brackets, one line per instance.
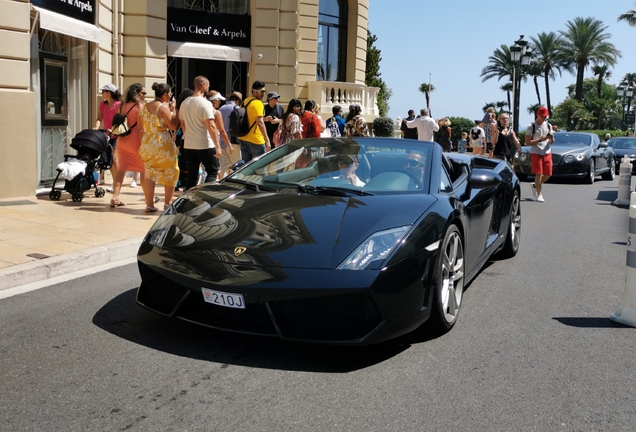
[602, 145]
[238, 165]
[483, 178]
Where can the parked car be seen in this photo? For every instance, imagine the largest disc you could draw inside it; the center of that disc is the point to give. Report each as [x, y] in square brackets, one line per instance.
[624, 146]
[332, 240]
[575, 155]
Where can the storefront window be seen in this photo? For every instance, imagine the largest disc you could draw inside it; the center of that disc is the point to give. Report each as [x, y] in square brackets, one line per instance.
[332, 37]
[238, 7]
[54, 89]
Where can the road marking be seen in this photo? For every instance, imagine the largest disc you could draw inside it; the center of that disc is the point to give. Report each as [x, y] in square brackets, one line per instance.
[10, 292]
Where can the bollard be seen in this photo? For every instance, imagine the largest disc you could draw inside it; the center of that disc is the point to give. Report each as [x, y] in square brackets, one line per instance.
[626, 314]
[624, 182]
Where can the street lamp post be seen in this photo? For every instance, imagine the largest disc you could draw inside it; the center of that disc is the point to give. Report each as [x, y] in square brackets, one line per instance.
[625, 91]
[520, 55]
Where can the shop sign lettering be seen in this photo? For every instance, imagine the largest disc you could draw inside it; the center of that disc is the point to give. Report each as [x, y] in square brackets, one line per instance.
[83, 10]
[186, 25]
[194, 29]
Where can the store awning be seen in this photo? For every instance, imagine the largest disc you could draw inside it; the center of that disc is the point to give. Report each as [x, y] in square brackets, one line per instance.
[209, 51]
[69, 26]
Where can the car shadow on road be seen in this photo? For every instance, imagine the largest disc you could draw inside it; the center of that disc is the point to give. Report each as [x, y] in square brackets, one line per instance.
[124, 318]
[589, 322]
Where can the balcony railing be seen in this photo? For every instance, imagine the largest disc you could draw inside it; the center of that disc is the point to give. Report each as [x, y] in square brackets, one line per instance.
[330, 93]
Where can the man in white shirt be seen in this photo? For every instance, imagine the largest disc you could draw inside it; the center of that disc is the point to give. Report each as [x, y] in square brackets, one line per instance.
[539, 136]
[425, 125]
[201, 138]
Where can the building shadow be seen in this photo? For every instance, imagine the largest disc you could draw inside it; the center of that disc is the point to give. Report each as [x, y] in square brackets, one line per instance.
[124, 318]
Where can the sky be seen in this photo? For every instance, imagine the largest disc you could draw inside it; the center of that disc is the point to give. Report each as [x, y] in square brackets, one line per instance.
[449, 41]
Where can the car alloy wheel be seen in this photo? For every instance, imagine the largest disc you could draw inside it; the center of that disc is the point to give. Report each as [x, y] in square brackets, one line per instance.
[450, 279]
[513, 237]
[591, 172]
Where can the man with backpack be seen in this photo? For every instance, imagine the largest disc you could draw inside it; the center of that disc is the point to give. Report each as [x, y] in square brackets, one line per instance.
[539, 136]
[477, 138]
[336, 124]
[255, 141]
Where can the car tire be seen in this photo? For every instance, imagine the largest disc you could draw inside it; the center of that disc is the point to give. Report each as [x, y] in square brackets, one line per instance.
[611, 171]
[589, 178]
[513, 236]
[449, 281]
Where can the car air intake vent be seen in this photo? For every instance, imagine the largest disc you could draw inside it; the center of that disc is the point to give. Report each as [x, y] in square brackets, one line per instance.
[158, 292]
[254, 319]
[336, 318]
[497, 209]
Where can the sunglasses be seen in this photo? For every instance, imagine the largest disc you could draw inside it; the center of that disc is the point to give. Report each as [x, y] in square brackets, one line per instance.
[344, 162]
[413, 164]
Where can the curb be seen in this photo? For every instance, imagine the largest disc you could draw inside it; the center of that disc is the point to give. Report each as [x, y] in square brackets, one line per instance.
[36, 271]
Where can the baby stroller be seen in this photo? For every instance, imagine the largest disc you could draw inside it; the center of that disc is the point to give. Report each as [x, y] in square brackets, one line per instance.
[93, 153]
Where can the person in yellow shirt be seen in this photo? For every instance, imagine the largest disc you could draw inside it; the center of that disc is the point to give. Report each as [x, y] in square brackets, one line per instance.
[256, 142]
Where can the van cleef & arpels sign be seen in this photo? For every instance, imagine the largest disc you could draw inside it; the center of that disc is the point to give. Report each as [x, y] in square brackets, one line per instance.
[186, 25]
[83, 10]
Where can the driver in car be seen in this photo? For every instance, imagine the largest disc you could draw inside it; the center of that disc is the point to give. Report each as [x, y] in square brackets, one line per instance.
[347, 164]
[414, 164]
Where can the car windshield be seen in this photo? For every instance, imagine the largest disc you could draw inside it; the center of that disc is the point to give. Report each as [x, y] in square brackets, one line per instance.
[363, 166]
[572, 139]
[622, 143]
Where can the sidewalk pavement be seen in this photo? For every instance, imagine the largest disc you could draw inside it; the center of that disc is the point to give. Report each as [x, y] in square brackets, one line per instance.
[41, 238]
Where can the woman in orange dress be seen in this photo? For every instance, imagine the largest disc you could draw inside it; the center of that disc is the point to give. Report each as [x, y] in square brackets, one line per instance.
[157, 148]
[128, 146]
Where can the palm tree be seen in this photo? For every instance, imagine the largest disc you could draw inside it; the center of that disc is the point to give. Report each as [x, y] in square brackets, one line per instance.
[629, 17]
[535, 71]
[507, 87]
[500, 65]
[427, 89]
[602, 71]
[547, 56]
[587, 42]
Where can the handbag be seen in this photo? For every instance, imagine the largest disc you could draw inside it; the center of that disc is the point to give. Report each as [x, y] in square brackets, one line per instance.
[120, 124]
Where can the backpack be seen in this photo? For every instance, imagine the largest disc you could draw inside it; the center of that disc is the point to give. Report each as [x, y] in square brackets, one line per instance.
[119, 126]
[239, 123]
[334, 129]
[474, 133]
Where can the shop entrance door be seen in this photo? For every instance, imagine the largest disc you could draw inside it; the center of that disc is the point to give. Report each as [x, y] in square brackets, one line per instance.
[225, 77]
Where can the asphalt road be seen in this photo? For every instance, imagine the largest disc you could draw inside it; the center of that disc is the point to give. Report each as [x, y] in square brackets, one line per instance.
[533, 350]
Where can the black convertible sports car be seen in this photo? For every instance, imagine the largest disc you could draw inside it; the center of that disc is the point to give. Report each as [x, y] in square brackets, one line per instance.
[336, 240]
[575, 155]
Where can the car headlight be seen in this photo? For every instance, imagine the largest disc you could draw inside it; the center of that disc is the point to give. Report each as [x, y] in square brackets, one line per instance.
[374, 249]
[570, 158]
[523, 157]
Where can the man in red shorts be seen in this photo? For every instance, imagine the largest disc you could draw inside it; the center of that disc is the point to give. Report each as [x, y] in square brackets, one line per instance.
[539, 137]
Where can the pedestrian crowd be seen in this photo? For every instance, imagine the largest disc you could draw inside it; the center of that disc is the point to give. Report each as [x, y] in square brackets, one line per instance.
[489, 137]
[183, 141]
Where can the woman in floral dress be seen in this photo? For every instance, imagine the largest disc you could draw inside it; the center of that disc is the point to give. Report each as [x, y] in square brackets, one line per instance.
[157, 148]
[291, 128]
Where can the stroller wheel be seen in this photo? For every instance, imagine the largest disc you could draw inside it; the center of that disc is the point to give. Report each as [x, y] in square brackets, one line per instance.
[78, 197]
[100, 192]
[55, 195]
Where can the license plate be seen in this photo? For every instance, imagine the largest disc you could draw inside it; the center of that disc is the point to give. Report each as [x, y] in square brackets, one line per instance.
[224, 299]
